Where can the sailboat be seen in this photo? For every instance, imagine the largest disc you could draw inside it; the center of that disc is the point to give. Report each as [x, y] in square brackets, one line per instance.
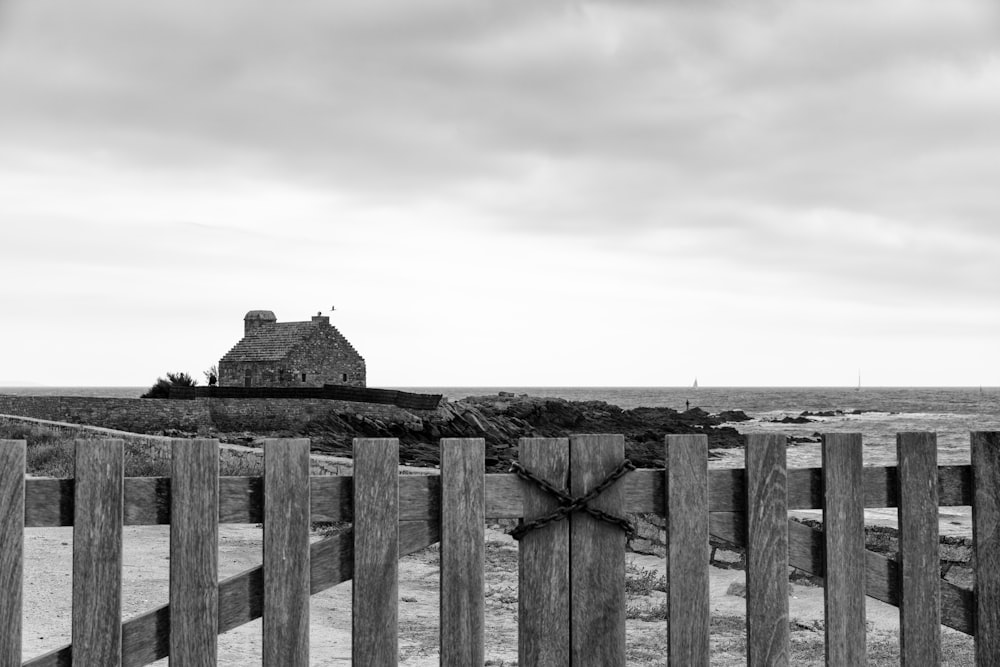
[695, 385]
[859, 380]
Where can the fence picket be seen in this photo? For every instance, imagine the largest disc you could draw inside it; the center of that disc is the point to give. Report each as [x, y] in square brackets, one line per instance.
[286, 552]
[844, 538]
[376, 551]
[97, 553]
[543, 561]
[12, 458]
[986, 542]
[919, 559]
[194, 551]
[597, 555]
[686, 511]
[768, 637]
[463, 520]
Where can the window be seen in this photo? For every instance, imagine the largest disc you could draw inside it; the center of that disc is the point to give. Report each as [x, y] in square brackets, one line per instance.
[303, 377]
[343, 377]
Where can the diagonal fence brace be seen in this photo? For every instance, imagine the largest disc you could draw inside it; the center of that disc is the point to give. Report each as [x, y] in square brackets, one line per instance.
[569, 504]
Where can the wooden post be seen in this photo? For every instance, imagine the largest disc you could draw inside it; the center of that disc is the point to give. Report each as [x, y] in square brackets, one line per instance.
[194, 552]
[543, 561]
[286, 553]
[986, 541]
[768, 638]
[12, 459]
[688, 552]
[376, 552]
[97, 553]
[463, 519]
[919, 550]
[844, 536]
[597, 555]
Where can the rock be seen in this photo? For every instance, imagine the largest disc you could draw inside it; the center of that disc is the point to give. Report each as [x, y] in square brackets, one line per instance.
[734, 416]
[501, 423]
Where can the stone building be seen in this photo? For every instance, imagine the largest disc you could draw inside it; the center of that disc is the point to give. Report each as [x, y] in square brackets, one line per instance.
[290, 354]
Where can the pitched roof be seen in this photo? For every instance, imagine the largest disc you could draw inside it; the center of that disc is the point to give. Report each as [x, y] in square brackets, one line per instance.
[270, 342]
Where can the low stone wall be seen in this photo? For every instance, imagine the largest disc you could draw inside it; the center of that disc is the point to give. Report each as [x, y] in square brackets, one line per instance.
[229, 415]
[125, 414]
[201, 415]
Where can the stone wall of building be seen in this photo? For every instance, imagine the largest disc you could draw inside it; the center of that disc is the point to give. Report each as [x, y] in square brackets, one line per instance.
[201, 415]
[326, 357]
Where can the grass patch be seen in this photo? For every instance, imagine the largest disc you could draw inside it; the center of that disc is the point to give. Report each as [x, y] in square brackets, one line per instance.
[643, 581]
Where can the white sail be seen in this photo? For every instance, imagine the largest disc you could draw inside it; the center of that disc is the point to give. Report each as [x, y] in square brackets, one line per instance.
[695, 385]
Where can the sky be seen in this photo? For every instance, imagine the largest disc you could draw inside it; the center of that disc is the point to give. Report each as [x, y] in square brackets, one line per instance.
[505, 192]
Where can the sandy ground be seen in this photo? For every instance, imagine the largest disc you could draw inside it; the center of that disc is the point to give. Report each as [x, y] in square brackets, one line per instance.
[146, 567]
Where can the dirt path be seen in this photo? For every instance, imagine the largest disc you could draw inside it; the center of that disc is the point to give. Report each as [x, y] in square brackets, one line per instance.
[146, 568]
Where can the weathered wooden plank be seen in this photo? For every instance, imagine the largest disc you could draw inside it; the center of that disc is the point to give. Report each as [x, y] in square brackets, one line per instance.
[286, 552]
[805, 552]
[543, 560]
[844, 533]
[241, 597]
[331, 498]
[241, 500]
[687, 549]
[768, 638]
[97, 553]
[376, 550]
[12, 459]
[49, 502]
[194, 552]
[597, 555]
[920, 603]
[463, 554]
[986, 544]
[147, 500]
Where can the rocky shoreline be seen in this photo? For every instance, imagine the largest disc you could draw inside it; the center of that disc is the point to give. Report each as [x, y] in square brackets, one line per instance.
[505, 418]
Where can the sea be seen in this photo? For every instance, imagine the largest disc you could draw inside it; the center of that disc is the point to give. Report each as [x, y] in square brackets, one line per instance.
[878, 413]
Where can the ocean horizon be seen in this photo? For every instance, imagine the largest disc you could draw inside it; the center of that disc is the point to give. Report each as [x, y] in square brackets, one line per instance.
[964, 400]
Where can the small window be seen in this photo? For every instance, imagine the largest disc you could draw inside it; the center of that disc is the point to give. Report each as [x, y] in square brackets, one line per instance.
[343, 377]
[303, 377]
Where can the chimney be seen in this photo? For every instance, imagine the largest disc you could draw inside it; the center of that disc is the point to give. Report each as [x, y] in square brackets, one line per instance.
[321, 319]
[256, 319]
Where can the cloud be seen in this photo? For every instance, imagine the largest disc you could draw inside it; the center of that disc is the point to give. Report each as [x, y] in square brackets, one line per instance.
[605, 107]
[765, 159]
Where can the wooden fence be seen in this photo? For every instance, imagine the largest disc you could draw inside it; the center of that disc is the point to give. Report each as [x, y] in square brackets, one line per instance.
[571, 572]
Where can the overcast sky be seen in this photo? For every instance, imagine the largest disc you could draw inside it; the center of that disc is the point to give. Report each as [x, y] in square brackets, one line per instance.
[505, 192]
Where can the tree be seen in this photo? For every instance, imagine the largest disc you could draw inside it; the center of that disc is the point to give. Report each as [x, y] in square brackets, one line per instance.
[161, 388]
[211, 374]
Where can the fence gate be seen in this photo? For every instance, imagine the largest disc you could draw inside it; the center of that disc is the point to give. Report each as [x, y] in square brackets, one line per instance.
[571, 495]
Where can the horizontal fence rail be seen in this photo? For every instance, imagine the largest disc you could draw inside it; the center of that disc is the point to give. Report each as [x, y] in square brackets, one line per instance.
[49, 502]
[395, 515]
